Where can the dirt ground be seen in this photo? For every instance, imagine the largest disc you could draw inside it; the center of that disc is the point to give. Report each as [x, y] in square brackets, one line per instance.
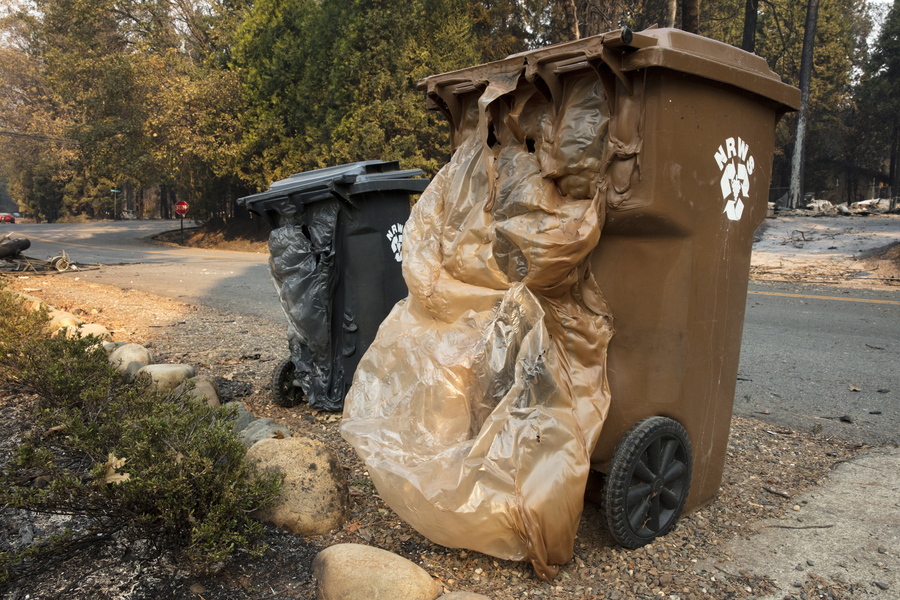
[853, 251]
[766, 470]
[234, 235]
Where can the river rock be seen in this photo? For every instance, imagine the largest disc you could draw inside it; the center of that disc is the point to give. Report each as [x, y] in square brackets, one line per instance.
[33, 303]
[166, 377]
[242, 416]
[129, 358]
[60, 319]
[349, 571]
[87, 329]
[261, 429]
[464, 596]
[111, 346]
[314, 499]
[205, 388]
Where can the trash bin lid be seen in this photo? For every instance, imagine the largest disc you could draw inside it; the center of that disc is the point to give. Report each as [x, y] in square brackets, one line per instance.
[623, 50]
[342, 181]
[710, 59]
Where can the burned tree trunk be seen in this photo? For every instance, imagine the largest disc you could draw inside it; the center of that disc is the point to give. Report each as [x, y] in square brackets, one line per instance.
[671, 11]
[799, 156]
[751, 14]
[690, 16]
[571, 13]
[10, 248]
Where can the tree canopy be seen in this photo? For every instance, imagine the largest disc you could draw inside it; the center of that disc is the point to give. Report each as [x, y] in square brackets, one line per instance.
[877, 107]
[208, 100]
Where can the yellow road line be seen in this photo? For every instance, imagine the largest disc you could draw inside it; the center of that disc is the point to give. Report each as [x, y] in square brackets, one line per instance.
[201, 252]
[813, 297]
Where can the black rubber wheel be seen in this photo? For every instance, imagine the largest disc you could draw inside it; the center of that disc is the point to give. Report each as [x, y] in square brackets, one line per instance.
[284, 392]
[648, 481]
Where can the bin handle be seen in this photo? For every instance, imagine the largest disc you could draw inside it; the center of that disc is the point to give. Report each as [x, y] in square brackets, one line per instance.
[610, 59]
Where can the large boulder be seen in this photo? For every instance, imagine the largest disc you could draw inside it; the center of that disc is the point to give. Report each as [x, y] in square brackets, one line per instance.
[350, 571]
[314, 498]
[166, 377]
[129, 358]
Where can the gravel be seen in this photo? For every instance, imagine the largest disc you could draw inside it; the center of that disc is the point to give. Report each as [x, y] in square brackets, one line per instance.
[765, 470]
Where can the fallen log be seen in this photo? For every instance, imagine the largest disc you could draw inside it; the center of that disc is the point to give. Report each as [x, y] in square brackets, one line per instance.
[10, 248]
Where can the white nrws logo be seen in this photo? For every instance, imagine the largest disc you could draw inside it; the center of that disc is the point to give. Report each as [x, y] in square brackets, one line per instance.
[736, 165]
[395, 235]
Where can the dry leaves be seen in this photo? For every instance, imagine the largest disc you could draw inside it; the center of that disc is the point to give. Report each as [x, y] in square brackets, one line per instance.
[112, 465]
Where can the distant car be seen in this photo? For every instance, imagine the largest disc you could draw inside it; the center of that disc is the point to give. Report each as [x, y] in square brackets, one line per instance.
[7, 218]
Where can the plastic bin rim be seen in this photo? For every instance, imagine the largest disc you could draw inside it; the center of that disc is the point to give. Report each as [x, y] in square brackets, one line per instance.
[329, 178]
[667, 48]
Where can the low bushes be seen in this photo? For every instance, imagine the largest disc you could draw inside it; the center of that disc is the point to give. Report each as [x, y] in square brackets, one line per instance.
[159, 471]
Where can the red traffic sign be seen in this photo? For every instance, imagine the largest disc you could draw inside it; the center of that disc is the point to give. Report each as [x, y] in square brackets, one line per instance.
[181, 207]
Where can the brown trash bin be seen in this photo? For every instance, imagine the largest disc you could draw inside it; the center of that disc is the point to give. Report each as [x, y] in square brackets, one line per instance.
[692, 121]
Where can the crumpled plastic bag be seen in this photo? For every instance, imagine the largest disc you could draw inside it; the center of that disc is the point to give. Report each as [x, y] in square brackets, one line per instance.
[478, 404]
[303, 270]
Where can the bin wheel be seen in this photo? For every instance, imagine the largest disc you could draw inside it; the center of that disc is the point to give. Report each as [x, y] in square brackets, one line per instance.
[284, 392]
[648, 481]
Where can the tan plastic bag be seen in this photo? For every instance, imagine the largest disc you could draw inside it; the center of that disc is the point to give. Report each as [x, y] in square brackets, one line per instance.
[478, 404]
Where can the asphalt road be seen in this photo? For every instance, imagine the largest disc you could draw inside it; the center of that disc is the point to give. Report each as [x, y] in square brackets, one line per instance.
[813, 358]
[123, 254]
[823, 358]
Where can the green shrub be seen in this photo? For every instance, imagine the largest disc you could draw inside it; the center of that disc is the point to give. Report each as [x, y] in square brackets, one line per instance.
[127, 459]
[66, 373]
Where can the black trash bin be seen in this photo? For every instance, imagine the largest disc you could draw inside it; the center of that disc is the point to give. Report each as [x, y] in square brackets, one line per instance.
[335, 262]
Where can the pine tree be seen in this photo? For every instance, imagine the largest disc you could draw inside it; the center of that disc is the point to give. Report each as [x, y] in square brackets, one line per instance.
[140, 85]
[335, 82]
[880, 97]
